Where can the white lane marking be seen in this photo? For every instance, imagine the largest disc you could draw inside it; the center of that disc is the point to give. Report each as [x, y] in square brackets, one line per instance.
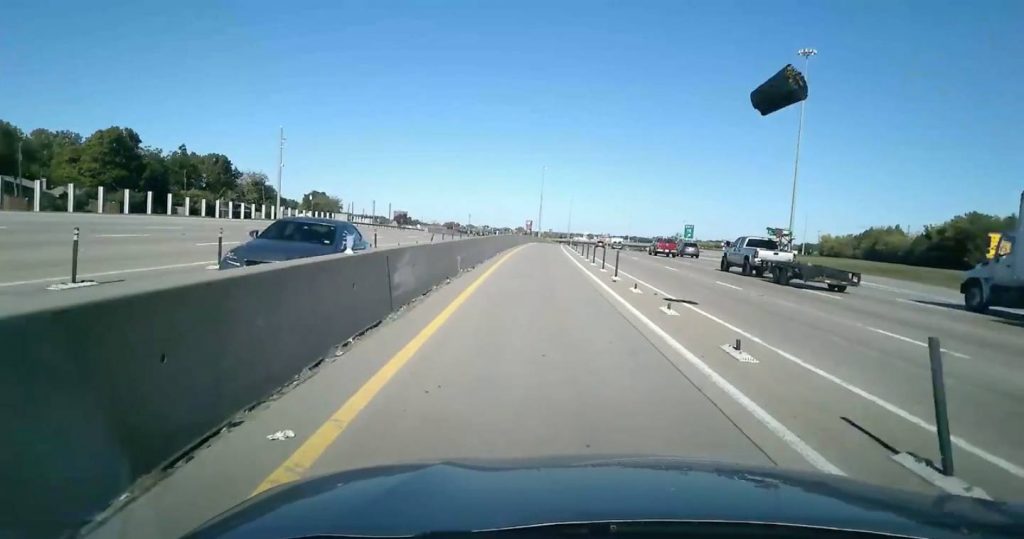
[670, 268]
[912, 341]
[122, 235]
[215, 243]
[905, 291]
[2, 227]
[162, 227]
[964, 444]
[919, 304]
[634, 258]
[780, 430]
[723, 284]
[829, 296]
[105, 273]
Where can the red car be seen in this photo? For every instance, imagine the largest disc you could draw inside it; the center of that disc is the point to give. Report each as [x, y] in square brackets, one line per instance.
[663, 246]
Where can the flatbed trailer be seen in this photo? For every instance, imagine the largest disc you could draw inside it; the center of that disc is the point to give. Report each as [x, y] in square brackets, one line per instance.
[836, 279]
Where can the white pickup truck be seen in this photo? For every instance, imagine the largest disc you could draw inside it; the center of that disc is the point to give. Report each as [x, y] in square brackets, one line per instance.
[754, 254]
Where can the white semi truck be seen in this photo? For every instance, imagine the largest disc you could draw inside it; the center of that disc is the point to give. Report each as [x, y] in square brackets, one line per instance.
[998, 282]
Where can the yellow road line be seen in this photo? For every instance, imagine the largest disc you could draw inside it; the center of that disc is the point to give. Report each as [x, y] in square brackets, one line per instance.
[296, 465]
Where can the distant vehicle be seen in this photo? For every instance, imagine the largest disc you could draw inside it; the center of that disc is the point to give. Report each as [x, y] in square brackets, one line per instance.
[295, 237]
[600, 242]
[754, 254]
[690, 249]
[563, 497]
[663, 246]
[617, 243]
[998, 282]
[763, 255]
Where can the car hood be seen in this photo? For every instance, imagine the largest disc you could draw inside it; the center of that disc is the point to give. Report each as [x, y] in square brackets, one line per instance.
[405, 500]
[279, 250]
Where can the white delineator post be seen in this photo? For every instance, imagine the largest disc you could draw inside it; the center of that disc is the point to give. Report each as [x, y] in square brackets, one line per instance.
[71, 198]
[186, 206]
[231, 209]
[263, 211]
[99, 200]
[38, 192]
[202, 208]
[149, 202]
[168, 203]
[216, 210]
[124, 210]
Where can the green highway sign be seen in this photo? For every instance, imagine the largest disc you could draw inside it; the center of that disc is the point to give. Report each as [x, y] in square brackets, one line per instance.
[688, 232]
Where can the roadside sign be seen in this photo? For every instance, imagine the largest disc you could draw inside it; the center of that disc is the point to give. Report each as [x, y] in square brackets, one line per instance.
[688, 232]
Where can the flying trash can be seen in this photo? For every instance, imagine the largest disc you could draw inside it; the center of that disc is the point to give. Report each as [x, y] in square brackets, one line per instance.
[783, 89]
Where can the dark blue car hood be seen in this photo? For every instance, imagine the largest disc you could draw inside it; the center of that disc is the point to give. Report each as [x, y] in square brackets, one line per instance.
[263, 250]
[414, 499]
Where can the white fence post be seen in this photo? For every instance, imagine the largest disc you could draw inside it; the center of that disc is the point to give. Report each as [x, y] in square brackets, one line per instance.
[38, 188]
[99, 201]
[124, 210]
[263, 211]
[202, 208]
[231, 209]
[186, 206]
[71, 198]
[169, 202]
[216, 210]
[149, 202]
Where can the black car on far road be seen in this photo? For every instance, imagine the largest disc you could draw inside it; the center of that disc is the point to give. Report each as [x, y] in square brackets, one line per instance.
[295, 237]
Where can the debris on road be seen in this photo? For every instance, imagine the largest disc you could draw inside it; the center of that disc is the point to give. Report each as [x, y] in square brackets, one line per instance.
[282, 435]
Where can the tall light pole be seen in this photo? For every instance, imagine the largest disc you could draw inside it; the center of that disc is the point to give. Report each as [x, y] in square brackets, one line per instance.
[806, 53]
[569, 232]
[540, 212]
[280, 169]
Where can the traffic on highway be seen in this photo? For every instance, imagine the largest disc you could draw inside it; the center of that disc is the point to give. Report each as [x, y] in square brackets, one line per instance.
[533, 270]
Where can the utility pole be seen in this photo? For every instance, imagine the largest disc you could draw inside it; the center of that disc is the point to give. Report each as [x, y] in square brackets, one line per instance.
[806, 53]
[540, 212]
[803, 239]
[569, 232]
[373, 211]
[19, 168]
[280, 169]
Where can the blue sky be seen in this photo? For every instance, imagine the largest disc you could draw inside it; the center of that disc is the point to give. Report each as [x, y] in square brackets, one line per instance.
[639, 110]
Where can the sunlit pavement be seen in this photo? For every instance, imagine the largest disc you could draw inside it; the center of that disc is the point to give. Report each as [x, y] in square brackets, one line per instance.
[538, 352]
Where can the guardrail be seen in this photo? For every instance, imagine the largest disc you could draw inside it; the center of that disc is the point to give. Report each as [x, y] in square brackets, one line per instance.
[98, 395]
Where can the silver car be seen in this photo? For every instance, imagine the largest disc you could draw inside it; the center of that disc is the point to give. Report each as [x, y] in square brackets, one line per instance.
[690, 249]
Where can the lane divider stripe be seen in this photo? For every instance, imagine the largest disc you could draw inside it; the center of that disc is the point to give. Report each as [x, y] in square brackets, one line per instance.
[780, 430]
[300, 461]
[995, 460]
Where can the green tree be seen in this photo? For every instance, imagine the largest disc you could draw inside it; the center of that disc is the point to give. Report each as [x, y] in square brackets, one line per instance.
[48, 147]
[320, 201]
[219, 175]
[10, 136]
[254, 188]
[156, 174]
[112, 157]
[184, 170]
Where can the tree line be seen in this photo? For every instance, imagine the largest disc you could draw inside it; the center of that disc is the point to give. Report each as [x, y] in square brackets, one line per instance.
[958, 243]
[116, 158]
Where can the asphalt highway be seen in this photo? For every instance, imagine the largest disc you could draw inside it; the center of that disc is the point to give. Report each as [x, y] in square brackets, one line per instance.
[129, 250]
[539, 352]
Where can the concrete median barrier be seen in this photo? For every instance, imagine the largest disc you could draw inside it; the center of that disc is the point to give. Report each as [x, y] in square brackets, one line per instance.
[97, 396]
